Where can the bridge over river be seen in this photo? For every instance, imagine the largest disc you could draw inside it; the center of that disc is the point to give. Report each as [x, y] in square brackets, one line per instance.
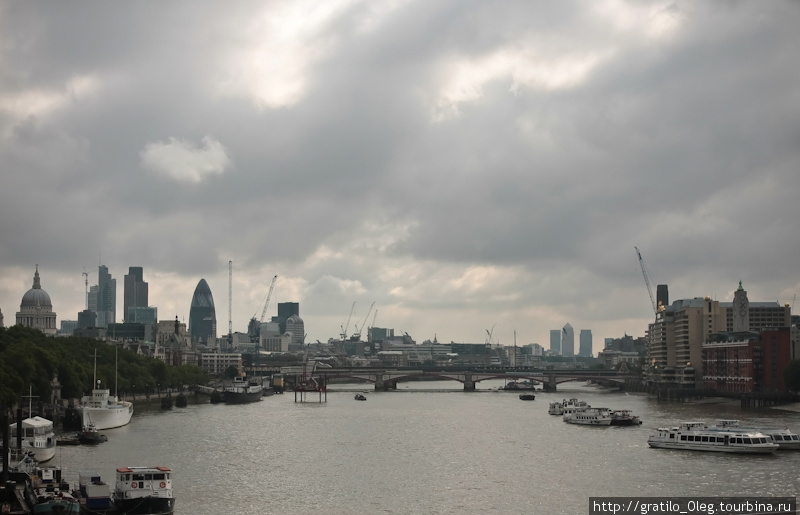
[387, 378]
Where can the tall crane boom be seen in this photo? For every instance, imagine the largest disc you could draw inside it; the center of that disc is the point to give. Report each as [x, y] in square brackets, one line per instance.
[646, 280]
[266, 302]
[360, 329]
[344, 329]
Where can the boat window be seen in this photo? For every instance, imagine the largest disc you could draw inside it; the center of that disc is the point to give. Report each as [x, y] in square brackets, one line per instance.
[148, 477]
[704, 438]
[777, 438]
[691, 438]
[683, 438]
[138, 477]
[746, 441]
[795, 437]
[158, 476]
[763, 440]
[672, 435]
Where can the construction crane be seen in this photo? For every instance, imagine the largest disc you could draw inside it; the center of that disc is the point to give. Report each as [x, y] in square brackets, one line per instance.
[254, 327]
[344, 329]
[86, 286]
[489, 334]
[357, 335]
[646, 280]
[230, 302]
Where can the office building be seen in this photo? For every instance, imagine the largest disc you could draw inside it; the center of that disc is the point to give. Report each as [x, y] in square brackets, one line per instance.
[135, 294]
[567, 340]
[286, 310]
[203, 316]
[585, 348]
[675, 339]
[555, 342]
[106, 297]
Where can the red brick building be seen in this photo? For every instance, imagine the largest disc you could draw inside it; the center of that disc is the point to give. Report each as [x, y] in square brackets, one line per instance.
[747, 361]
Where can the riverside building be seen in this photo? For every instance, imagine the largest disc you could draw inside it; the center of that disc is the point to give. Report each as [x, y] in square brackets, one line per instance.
[676, 337]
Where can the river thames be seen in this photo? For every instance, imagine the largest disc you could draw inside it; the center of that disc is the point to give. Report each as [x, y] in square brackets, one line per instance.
[428, 448]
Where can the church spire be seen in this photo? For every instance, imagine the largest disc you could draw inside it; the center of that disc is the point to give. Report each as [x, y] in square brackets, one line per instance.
[740, 286]
[36, 283]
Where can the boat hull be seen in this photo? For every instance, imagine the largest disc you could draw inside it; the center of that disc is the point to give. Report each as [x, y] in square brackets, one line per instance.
[712, 448]
[241, 397]
[110, 417]
[146, 506]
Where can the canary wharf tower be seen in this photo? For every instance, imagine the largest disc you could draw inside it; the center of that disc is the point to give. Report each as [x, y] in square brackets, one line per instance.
[203, 316]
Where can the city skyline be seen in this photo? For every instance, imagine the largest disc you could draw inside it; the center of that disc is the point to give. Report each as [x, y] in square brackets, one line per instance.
[463, 165]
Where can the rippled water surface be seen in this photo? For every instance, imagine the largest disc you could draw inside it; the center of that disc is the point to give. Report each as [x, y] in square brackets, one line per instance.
[428, 448]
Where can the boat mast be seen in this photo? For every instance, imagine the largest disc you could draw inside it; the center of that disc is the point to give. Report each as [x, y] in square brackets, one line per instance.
[94, 378]
[116, 376]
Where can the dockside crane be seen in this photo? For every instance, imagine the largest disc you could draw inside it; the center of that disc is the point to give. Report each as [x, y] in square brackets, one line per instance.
[357, 335]
[646, 280]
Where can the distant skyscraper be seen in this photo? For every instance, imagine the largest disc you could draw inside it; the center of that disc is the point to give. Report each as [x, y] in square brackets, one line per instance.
[555, 342]
[106, 297]
[662, 295]
[567, 341]
[91, 300]
[285, 310]
[586, 343]
[135, 295]
[203, 316]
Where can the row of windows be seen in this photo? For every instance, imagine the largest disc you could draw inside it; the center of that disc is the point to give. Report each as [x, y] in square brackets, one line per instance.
[721, 439]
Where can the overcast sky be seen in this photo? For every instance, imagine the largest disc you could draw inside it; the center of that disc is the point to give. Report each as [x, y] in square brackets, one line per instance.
[462, 164]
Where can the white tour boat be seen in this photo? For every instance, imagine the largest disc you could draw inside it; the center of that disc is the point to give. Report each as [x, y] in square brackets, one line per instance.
[696, 436]
[557, 408]
[144, 490]
[38, 438]
[785, 438]
[587, 416]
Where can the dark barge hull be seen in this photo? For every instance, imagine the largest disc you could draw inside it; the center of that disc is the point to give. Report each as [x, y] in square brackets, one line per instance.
[146, 506]
[241, 398]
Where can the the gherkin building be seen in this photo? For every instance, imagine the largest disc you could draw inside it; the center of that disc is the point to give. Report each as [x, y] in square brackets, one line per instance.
[203, 316]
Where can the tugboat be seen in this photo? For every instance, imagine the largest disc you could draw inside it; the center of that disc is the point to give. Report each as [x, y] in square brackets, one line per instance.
[242, 391]
[90, 435]
[144, 491]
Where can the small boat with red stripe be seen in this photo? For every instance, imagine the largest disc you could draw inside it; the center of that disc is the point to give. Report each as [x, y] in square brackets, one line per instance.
[144, 491]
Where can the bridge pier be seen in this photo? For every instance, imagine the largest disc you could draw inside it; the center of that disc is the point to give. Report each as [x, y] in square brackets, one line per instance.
[469, 384]
[382, 385]
[550, 384]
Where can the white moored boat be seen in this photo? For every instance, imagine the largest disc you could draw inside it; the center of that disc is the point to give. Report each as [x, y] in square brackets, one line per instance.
[144, 490]
[103, 410]
[38, 438]
[587, 416]
[696, 436]
[785, 438]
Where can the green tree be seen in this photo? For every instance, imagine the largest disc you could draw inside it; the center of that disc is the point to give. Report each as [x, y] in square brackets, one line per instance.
[231, 372]
[791, 375]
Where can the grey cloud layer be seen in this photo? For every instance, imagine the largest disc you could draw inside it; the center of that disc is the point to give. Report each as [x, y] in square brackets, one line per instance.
[445, 117]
